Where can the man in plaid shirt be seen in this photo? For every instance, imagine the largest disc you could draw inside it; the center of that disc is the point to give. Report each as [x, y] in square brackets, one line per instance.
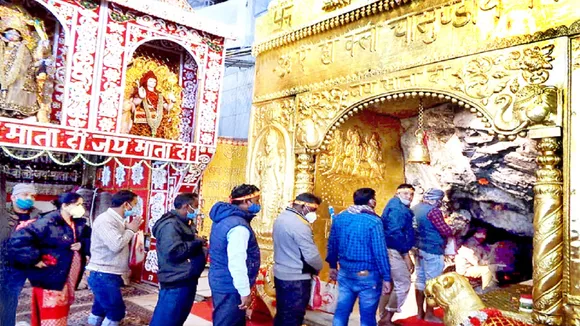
[431, 235]
[357, 244]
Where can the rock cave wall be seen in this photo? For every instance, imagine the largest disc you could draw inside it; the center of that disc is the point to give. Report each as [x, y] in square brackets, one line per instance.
[491, 179]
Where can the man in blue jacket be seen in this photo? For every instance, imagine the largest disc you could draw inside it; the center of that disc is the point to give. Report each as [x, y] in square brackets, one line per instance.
[235, 255]
[181, 261]
[357, 244]
[400, 236]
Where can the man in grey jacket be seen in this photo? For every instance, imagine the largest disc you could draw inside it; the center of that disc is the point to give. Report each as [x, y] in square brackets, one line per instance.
[296, 259]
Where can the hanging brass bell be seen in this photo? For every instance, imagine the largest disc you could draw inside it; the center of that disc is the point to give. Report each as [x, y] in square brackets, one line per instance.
[419, 153]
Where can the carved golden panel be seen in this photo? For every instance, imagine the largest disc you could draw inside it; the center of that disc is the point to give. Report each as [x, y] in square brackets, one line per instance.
[389, 42]
[515, 89]
[271, 162]
[365, 152]
[574, 207]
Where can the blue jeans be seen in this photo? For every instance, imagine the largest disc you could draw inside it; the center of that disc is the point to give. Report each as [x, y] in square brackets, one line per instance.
[11, 284]
[226, 311]
[173, 306]
[291, 301]
[366, 288]
[429, 266]
[108, 301]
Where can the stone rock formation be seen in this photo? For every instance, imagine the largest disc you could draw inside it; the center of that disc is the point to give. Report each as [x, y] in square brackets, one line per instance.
[492, 179]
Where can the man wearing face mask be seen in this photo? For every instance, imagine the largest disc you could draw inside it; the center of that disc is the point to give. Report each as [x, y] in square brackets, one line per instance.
[400, 236]
[110, 258]
[181, 261]
[20, 214]
[296, 259]
[431, 235]
[357, 243]
[235, 255]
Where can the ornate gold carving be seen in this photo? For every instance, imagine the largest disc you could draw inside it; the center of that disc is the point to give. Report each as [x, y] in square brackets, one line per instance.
[533, 105]
[279, 112]
[575, 53]
[304, 173]
[332, 5]
[355, 154]
[271, 165]
[548, 235]
[315, 112]
[284, 66]
[322, 26]
[485, 76]
[265, 285]
[454, 294]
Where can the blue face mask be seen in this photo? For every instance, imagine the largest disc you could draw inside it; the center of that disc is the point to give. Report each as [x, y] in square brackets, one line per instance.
[254, 208]
[193, 215]
[129, 212]
[25, 204]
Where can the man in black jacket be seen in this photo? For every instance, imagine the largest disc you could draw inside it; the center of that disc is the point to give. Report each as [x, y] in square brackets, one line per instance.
[181, 261]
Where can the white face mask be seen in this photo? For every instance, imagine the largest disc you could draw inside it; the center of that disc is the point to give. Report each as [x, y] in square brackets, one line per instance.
[405, 202]
[311, 217]
[77, 211]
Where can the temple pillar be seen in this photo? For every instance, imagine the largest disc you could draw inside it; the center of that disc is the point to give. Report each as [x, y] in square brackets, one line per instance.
[304, 172]
[548, 235]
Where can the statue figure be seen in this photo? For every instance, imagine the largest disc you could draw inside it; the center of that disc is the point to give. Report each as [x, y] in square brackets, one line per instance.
[462, 306]
[270, 170]
[148, 107]
[152, 106]
[374, 156]
[24, 64]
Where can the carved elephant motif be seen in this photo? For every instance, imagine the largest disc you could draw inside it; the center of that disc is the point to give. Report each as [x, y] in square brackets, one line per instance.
[533, 105]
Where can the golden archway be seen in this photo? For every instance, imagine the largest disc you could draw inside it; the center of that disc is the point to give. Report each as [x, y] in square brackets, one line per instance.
[502, 61]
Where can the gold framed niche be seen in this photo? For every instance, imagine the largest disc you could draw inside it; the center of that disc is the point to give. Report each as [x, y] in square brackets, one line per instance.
[363, 152]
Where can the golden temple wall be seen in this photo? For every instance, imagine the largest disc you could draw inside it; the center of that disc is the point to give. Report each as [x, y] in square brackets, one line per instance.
[514, 64]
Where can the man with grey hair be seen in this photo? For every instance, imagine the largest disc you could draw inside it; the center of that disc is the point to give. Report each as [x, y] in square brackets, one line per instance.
[431, 236]
[20, 214]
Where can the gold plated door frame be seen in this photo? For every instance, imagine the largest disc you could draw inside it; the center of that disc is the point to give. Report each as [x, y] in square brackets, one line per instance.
[548, 198]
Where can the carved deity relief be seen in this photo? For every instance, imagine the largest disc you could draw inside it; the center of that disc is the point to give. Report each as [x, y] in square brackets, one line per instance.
[152, 105]
[26, 68]
[364, 152]
[269, 176]
[271, 159]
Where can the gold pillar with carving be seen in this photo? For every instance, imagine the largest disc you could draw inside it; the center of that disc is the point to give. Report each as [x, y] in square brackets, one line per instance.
[548, 236]
[304, 172]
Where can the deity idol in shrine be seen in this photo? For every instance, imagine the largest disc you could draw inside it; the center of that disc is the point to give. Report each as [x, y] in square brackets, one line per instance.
[152, 107]
[24, 65]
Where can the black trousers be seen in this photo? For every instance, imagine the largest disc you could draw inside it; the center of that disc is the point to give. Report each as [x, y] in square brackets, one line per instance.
[226, 311]
[291, 301]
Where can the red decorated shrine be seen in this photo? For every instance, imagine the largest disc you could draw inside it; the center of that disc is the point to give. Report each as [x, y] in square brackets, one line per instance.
[134, 82]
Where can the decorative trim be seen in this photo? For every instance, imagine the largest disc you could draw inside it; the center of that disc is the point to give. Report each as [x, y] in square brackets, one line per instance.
[179, 15]
[327, 24]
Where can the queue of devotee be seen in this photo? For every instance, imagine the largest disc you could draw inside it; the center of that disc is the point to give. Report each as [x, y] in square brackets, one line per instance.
[372, 257]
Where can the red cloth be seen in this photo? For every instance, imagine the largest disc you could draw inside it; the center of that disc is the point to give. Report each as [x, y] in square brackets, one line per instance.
[51, 308]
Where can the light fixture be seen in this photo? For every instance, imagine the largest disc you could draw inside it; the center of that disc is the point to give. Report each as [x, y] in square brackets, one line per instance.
[419, 153]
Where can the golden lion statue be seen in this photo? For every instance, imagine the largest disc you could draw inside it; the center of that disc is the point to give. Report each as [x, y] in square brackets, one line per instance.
[462, 306]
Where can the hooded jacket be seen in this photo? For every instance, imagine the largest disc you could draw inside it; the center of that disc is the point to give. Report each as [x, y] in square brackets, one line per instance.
[179, 252]
[225, 217]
